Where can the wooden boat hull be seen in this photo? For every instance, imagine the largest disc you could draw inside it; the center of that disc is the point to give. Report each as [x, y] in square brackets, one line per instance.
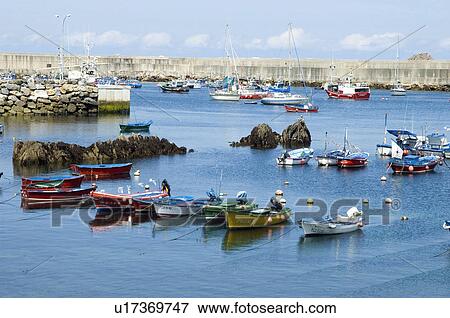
[352, 163]
[134, 128]
[313, 228]
[354, 96]
[55, 195]
[215, 213]
[412, 169]
[239, 220]
[103, 170]
[55, 181]
[225, 97]
[293, 109]
[326, 161]
[111, 201]
[398, 92]
[284, 101]
[293, 161]
[179, 90]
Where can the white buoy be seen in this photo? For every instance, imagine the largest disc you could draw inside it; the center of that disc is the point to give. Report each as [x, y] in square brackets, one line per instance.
[286, 182]
[383, 178]
[404, 218]
[310, 201]
[147, 187]
[388, 200]
[137, 173]
[365, 201]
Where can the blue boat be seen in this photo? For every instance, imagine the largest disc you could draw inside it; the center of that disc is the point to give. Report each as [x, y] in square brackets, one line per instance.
[137, 126]
[279, 87]
[435, 144]
[411, 163]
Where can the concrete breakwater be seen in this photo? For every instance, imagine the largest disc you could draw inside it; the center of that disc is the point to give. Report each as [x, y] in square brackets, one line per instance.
[20, 97]
[376, 72]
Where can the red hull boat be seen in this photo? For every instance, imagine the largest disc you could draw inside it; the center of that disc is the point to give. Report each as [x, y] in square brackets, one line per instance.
[103, 170]
[104, 200]
[352, 163]
[52, 182]
[412, 169]
[300, 109]
[355, 96]
[56, 195]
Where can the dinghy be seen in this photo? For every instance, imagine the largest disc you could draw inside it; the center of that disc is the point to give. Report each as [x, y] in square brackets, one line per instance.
[446, 225]
[215, 212]
[52, 182]
[342, 224]
[124, 201]
[136, 127]
[103, 170]
[295, 157]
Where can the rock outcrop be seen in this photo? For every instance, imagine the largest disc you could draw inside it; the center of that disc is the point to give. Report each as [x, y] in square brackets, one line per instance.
[262, 136]
[21, 97]
[36, 153]
[296, 135]
[421, 57]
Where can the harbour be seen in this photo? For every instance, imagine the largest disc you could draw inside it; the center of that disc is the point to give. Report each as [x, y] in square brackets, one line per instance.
[380, 255]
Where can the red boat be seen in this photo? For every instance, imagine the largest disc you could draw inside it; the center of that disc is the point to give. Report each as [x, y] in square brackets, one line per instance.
[353, 160]
[103, 170]
[58, 194]
[308, 108]
[104, 200]
[348, 90]
[53, 182]
[253, 95]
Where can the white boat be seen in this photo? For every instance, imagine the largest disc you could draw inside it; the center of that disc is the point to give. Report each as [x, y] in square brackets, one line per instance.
[295, 157]
[384, 149]
[342, 224]
[446, 225]
[193, 84]
[285, 99]
[225, 95]
[397, 89]
[177, 206]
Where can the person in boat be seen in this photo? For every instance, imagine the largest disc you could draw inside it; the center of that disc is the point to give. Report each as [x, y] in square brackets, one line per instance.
[276, 201]
[285, 155]
[165, 187]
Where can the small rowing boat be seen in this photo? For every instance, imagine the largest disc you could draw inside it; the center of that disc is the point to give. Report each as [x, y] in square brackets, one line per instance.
[342, 224]
[122, 201]
[177, 206]
[136, 127]
[57, 195]
[53, 182]
[103, 170]
[353, 160]
[446, 225]
[215, 212]
[307, 108]
[256, 218]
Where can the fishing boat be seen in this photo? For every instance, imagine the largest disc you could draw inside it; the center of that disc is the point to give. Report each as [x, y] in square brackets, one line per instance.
[384, 149]
[407, 140]
[174, 87]
[136, 127]
[446, 225]
[410, 164]
[351, 159]
[177, 206]
[214, 213]
[103, 170]
[225, 95]
[285, 99]
[435, 144]
[262, 217]
[57, 195]
[131, 83]
[124, 201]
[330, 158]
[342, 224]
[307, 108]
[295, 157]
[348, 90]
[249, 93]
[193, 84]
[279, 87]
[53, 182]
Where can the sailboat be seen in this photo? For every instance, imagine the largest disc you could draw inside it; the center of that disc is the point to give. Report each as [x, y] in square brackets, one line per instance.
[330, 157]
[384, 149]
[230, 87]
[397, 89]
[286, 98]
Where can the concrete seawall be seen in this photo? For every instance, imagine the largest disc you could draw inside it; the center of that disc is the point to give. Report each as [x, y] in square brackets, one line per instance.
[315, 70]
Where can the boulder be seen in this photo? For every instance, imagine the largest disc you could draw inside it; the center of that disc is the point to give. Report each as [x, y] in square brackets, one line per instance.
[72, 108]
[296, 135]
[39, 87]
[12, 87]
[261, 137]
[4, 91]
[29, 153]
[25, 91]
[90, 101]
[13, 98]
[40, 94]
[20, 103]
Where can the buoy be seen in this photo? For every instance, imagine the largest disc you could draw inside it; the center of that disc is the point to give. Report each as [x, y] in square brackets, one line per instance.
[147, 187]
[383, 178]
[310, 201]
[137, 173]
[269, 220]
[404, 218]
[388, 200]
[365, 201]
[426, 167]
[405, 152]
[286, 182]
[410, 168]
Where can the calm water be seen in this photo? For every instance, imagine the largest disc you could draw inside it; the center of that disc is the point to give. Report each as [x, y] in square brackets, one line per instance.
[400, 259]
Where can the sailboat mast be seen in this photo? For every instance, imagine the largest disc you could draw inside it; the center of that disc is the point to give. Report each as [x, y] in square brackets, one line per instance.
[290, 53]
[385, 128]
[345, 140]
[396, 66]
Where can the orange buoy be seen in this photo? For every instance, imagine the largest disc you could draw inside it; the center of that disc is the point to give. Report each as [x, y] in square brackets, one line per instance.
[411, 168]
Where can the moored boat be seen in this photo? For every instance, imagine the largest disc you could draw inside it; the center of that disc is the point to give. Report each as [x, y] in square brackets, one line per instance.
[136, 127]
[53, 182]
[342, 224]
[178, 206]
[57, 195]
[256, 218]
[103, 170]
[214, 213]
[174, 87]
[285, 99]
[295, 157]
[348, 90]
[307, 108]
[124, 201]
[330, 158]
[435, 144]
[384, 149]
[353, 160]
[446, 225]
[225, 95]
[410, 164]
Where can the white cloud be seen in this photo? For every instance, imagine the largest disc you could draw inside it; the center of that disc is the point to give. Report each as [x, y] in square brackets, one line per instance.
[160, 39]
[198, 40]
[281, 41]
[445, 43]
[115, 38]
[256, 43]
[79, 39]
[357, 41]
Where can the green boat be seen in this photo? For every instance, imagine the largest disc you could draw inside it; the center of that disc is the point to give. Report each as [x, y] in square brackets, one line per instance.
[136, 127]
[215, 213]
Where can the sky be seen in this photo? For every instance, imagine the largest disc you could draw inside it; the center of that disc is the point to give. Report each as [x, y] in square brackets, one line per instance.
[346, 29]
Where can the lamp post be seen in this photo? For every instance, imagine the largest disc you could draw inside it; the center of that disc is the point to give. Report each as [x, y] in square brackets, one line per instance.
[61, 46]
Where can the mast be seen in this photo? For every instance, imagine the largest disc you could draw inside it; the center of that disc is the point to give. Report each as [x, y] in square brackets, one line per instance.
[290, 53]
[326, 140]
[385, 128]
[396, 66]
[345, 141]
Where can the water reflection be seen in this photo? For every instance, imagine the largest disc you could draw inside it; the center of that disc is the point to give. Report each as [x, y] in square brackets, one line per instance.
[241, 239]
[106, 219]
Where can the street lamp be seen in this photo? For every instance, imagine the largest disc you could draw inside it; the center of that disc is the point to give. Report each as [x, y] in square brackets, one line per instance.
[61, 47]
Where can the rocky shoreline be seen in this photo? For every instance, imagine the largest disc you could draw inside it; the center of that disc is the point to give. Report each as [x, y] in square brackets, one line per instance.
[20, 97]
[296, 135]
[36, 153]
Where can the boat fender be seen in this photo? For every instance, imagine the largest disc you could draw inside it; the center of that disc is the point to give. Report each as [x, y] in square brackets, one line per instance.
[310, 201]
[388, 200]
[360, 224]
[427, 168]
[410, 168]
[147, 187]
[269, 220]
[137, 173]
[383, 178]
[331, 225]
[365, 201]
[404, 218]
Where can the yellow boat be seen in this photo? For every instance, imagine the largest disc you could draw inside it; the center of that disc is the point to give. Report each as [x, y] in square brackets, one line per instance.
[256, 218]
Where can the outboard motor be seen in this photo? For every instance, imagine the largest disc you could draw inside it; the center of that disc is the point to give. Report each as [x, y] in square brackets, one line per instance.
[241, 197]
[211, 195]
